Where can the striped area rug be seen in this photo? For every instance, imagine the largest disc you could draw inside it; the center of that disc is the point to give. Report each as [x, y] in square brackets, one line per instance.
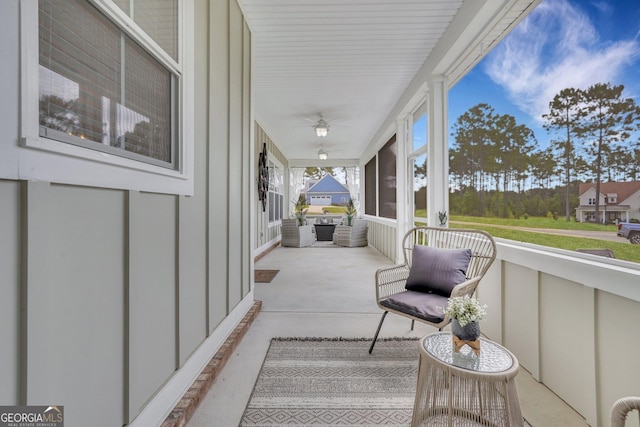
[334, 382]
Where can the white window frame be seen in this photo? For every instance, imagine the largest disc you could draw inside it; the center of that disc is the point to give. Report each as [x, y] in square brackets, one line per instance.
[44, 159]
[275, 167]
[411, 159]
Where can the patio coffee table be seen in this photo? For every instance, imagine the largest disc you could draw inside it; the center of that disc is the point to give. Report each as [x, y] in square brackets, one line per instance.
[324, 232]
[462, 389]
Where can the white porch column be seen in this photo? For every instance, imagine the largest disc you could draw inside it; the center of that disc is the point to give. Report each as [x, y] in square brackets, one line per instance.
[296, 185]
[437, 149]
[402, 200]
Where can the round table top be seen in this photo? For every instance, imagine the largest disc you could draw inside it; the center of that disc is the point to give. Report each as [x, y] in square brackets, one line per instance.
[493, 357]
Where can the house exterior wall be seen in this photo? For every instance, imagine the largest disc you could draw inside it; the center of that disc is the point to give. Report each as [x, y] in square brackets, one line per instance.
[123, 291]
[327, 191]
[267, 236]
[623, 209]
[325, 199]
[634, 203]
[590, 194]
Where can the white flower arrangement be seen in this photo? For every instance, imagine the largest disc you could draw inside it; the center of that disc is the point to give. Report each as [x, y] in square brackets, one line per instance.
[465, 310]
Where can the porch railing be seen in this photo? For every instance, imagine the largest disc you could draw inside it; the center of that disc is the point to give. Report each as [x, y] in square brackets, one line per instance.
[570, 318]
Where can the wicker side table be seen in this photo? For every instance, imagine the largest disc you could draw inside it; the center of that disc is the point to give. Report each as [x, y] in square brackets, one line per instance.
[461, 389]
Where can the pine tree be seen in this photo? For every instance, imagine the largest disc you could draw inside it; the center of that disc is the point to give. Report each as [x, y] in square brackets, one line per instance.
[564, 116]
[608, 119]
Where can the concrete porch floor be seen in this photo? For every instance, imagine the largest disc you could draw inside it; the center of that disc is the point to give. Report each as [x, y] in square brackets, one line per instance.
[329, 292]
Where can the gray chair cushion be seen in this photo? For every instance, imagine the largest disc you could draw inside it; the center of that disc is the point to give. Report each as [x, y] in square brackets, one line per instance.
[436, 270]
[418, 304]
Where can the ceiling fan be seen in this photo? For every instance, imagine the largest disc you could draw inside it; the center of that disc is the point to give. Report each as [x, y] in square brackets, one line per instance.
[323, 153]
[322, 127]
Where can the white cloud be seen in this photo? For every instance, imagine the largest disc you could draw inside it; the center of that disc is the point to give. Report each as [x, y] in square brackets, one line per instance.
[556, 47]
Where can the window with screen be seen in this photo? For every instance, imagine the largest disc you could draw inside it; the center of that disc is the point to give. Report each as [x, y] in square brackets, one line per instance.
[420, 187]
[158, 18]
[275, 196]
[370, 187]
[419, 128]
[102, 89]
[418, 164]
[387, 179]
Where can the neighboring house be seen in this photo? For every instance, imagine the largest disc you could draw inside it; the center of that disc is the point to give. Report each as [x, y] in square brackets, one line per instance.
[619, 201]
[327, 191]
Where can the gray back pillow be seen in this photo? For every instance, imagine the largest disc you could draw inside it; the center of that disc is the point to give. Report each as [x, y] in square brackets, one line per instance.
[436, 270]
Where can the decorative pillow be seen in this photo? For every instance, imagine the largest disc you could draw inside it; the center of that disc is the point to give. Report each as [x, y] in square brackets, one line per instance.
[436, 270]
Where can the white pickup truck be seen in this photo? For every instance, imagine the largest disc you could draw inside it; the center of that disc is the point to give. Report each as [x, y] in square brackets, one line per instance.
[630, 230]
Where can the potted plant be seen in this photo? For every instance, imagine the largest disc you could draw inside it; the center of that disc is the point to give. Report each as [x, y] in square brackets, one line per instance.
[465, 313]
[350, 211]
[301, 208]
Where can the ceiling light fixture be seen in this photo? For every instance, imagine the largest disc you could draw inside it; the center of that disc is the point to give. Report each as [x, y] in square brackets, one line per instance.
[322, 128]
[322, 155]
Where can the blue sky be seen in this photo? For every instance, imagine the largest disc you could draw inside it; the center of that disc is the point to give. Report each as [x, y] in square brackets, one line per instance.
[562, 43]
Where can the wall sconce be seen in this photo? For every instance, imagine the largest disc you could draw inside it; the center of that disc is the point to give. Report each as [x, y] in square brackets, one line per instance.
[322, 155]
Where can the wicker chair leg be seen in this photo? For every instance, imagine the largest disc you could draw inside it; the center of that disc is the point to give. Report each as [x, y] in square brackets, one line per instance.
[375, 337]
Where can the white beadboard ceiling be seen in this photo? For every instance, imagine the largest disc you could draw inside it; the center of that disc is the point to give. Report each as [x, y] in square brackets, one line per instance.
[351, 60]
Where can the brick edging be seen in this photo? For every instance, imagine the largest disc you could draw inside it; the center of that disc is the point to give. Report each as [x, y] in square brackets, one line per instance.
[188, 404]
[265, 252]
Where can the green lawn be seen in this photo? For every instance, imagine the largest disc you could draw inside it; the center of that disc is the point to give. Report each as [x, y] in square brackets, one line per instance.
[335, 209]
[538, 222]
[622, 250]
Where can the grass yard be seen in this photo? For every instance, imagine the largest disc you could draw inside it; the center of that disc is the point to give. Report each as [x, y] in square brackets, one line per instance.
[538, 222]
[335, 210]
[496, 227]
[622, 250]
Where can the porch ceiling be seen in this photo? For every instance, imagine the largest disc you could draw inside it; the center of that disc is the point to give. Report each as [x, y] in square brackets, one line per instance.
[352, 60]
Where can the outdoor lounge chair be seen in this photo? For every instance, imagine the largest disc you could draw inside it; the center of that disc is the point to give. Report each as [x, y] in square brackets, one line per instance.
[438, 263]
[352, 236]
[296, 236]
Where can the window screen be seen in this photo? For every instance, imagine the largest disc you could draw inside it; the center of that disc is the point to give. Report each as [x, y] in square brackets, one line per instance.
[387, 179]
[370, 199]
[275, 206]
[158, 18]
[420, 186]
[276, 192]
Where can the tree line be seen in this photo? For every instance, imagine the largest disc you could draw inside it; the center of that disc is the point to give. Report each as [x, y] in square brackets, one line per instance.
[497, 168]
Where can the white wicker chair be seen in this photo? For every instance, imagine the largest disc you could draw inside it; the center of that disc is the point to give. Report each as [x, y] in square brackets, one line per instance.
[391, 281]
[621, 409]
[296, 236]
[352, 236]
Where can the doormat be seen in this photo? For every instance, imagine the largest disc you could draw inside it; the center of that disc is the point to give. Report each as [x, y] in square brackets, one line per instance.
[264, 276]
